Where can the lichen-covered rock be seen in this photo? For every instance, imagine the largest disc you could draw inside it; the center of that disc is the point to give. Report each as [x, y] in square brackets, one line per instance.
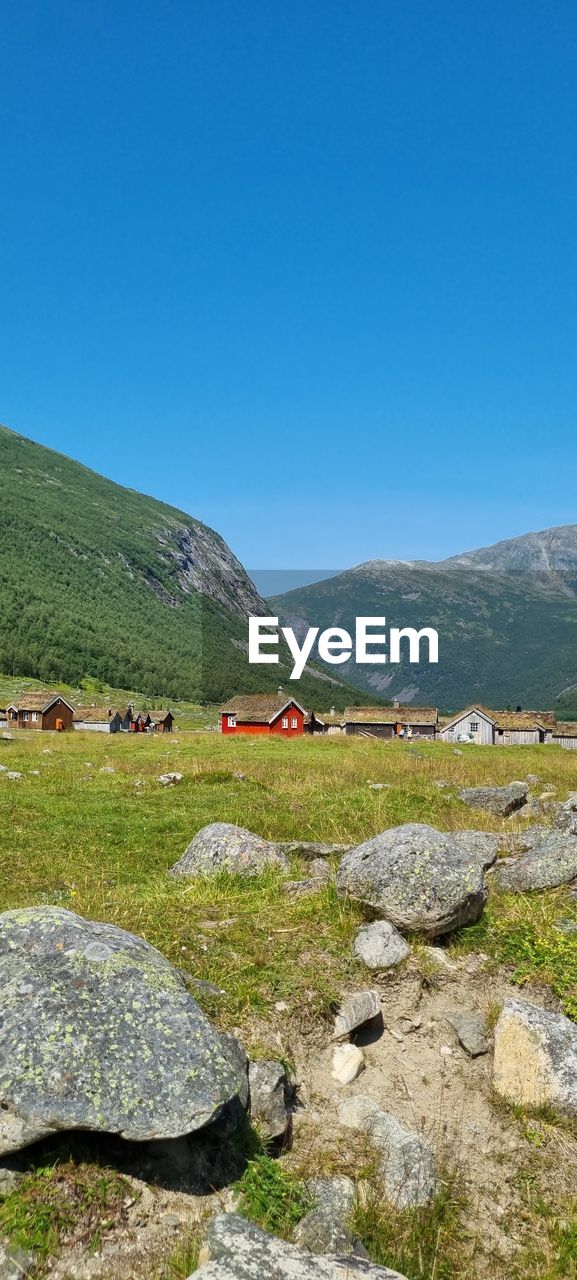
[311, 848]
[479, 846]
[98, 1031]
[168, 779]
[535, 1060]
[355, 1010]
[239, 1250]
[498, 800]
[323, 1231]
[406, 1161]
[268, 1097]
[551, 860]
[566, 817]
[417, 878]
[221, 846]
[380, 945]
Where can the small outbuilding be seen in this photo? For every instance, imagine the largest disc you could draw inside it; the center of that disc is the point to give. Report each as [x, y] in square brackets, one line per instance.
[97, 719]
[391, 722]
[263, 713]
[161, 721]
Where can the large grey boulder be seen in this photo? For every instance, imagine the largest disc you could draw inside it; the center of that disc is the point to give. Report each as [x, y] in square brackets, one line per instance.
[268, 1097]
[406, 1160]
[417, 878]
[535, 1060]
[479, 846]
[498, 800]
[550, 861]
[380, 946]
[222, 846]
[98, 1031]
[239, 1250]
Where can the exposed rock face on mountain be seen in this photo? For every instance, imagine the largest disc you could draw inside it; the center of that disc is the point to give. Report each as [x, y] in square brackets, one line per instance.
[128, 589]
[517, 598]
[99, 1032]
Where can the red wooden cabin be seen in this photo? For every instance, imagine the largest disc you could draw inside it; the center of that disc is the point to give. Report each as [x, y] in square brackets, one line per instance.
[263, 713]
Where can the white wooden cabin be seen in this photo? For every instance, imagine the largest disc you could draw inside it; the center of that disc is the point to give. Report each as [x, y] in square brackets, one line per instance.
[500, 728]
[475, 723]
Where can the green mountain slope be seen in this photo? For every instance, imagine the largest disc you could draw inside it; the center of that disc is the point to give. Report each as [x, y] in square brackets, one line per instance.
[507, 635]
[100, 581]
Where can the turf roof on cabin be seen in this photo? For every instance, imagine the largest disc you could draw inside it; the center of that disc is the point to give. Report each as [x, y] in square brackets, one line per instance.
[257, 708]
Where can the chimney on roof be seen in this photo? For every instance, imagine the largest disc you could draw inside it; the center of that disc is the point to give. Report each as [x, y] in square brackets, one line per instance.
[280, 689]
[396, 702]
[519, 708]
[333, 711]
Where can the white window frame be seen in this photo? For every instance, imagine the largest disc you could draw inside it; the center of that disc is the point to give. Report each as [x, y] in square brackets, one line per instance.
[474, 726]
[284, 722]
[26, 715]
[294, 722]
[232, 722]
[34, 716]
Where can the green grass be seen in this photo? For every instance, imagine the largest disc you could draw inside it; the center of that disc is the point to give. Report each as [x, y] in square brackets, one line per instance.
[271, 1195]
[423, 1244]
[520, 931]
[101, 845]
[63, 1199]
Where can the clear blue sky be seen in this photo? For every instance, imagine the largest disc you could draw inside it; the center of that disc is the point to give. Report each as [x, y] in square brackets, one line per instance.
[306, 270]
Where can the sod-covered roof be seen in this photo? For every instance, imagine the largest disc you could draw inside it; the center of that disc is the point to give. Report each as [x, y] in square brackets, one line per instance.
[258, 708]
[391, 715]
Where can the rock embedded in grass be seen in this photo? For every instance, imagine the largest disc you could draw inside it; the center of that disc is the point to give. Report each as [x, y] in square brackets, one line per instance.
[99, 1032]
[566, 817]
[479, 846]
[535, 1061]
[406, 1160]
[501, 801]
[222, 846]
[550, 861]
[268, 1086]
[239, 1250]
[168, 779]
[380, 946]
[417, 878]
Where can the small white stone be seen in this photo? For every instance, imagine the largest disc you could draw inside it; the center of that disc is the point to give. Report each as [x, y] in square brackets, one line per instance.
[348, 1062]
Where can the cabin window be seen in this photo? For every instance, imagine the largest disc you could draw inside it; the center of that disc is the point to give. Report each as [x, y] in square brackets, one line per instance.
[25, 715]
[294, 722]
[474, 726]
[34, 715]
[232, 722]
[284, 722]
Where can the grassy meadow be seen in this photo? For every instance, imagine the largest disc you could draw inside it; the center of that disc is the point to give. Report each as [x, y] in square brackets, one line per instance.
[101, 842]
[89, 827]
